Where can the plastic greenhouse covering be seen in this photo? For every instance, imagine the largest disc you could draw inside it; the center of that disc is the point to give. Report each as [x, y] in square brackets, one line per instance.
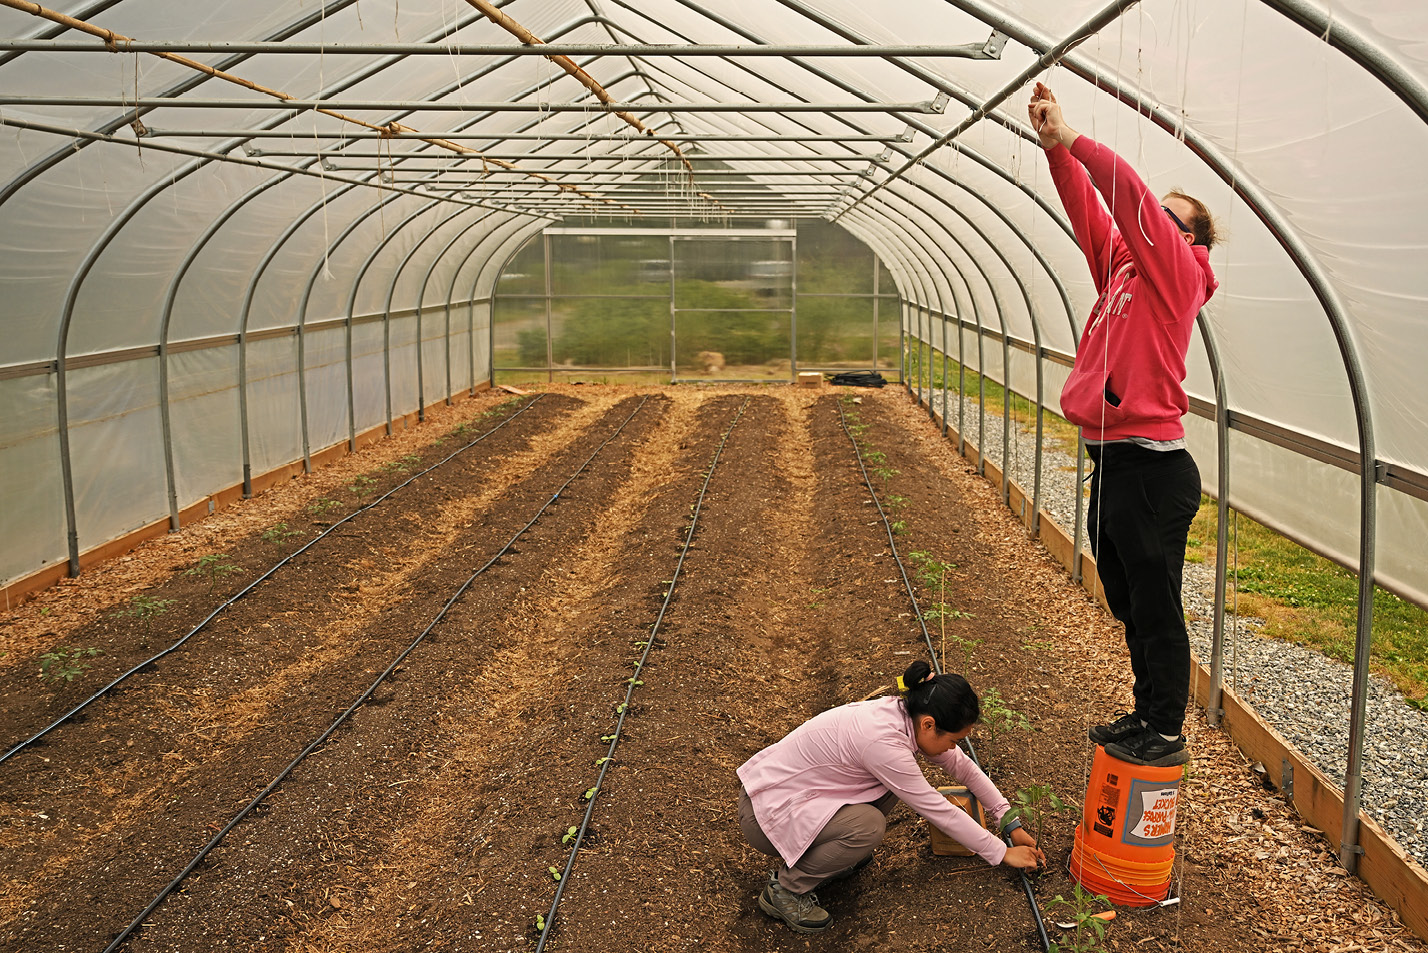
[236, 234]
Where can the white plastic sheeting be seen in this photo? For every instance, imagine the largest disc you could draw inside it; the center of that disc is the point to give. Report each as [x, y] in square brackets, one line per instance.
[171, 296]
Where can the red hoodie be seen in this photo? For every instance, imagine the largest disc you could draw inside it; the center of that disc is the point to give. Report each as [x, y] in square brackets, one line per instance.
[1151, 286]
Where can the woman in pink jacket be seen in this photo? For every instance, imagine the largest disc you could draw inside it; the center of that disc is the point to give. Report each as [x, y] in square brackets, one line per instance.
[818, 799]
[1150, 261]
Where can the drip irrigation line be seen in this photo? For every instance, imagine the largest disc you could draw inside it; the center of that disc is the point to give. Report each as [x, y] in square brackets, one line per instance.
[251, 586]
[624, 708]
[936, 662]
[361, 700]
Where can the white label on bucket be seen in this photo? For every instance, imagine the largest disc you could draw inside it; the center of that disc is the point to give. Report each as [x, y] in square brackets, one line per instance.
[1150, 814]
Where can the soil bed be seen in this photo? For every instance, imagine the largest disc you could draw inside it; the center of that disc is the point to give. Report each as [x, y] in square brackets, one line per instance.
[432, 820]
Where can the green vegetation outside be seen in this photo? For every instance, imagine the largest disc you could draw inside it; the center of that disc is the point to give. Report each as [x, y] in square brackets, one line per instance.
[1307, 599]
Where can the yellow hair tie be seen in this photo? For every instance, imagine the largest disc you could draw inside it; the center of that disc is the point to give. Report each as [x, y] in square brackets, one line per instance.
[901, 686]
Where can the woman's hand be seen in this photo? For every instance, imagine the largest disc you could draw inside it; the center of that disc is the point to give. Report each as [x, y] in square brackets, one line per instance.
[1046, 119]
[1024, 856]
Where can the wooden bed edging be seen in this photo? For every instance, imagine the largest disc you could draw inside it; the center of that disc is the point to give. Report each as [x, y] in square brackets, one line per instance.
[21, 588]
[1394, 877]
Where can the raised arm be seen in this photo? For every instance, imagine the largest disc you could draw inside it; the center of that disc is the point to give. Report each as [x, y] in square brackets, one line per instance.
[1089, 219]
[1154, 243]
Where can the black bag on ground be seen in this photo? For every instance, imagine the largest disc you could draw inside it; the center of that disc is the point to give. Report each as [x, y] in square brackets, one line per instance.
[859, 379]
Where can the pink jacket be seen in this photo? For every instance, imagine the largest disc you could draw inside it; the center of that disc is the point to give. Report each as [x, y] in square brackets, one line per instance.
[858, 753]
[1151, 286]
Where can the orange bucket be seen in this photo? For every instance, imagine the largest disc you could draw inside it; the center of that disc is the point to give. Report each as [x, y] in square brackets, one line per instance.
[1125, 844]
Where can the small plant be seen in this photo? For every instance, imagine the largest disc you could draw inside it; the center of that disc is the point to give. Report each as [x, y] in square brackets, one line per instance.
[998, 716]
[589, 794]
[554, 872]
[403, 464]
[898, 526]
[145, 609]
[540, 922]
[1088, 928]
[1032, 804]
[875, 457]
[361, 484]
[885, 473]
[64, 663]
[279, 532]
[569, 835]
[213, 568]
[319, 507]
[894, 501]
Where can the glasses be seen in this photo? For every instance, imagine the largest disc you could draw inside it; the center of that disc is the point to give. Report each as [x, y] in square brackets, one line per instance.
[1176, 219]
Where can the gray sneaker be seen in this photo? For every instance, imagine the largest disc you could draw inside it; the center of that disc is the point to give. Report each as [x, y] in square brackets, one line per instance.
[799, 911]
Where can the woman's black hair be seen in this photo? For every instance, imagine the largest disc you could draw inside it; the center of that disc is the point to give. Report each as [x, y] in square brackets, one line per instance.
[948, 698]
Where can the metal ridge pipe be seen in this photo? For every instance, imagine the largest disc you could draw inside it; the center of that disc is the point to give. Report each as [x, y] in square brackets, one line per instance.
[1087, 29]
[975, 51]
[414, 105]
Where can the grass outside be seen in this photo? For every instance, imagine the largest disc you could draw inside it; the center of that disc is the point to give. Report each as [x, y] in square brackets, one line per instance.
[1307, 599]
[1061, 432]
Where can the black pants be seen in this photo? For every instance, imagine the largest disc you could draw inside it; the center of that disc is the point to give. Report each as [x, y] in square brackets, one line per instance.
[1142, 502]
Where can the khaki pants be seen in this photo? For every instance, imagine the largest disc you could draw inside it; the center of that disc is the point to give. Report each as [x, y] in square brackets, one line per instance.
[849, 837]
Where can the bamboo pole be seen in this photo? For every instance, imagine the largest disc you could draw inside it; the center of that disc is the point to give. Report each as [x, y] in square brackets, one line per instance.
[114, 41]
[566, 63]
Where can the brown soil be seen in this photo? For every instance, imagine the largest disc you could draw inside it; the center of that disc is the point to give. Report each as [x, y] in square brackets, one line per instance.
[433, 818]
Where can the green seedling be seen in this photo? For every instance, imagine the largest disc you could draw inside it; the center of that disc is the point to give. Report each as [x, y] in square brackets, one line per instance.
[589, 794]
[875, 457]
[621, 708]
[607, 738]
[569, 835]
[212, 568]
[361, 484]
[279, 532]
[635, 682]
[886, 472]
[999, 717]
[1088, 928]
[602, 760]
[898, 526]
[540, 922]
[554, 872]
[64, 663]
[145, 609]
[894, 501]
[319, 507]
[1032, 805]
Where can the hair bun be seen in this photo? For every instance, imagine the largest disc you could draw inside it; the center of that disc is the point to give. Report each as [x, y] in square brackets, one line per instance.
[915, 673]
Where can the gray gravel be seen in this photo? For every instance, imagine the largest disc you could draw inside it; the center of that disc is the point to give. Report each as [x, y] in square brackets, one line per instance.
[1304, 695]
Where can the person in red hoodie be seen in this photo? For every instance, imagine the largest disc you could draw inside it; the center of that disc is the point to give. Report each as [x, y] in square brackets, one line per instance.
[1150, 261]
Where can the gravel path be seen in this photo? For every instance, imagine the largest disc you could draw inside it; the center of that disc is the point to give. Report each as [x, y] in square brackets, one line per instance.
[1304, 695]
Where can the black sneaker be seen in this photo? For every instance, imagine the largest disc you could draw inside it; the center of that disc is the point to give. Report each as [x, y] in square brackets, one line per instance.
[799, 911]
[1149, 747]
[1125, 725]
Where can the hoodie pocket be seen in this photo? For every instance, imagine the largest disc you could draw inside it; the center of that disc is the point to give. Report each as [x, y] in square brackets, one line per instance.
[1083, 400]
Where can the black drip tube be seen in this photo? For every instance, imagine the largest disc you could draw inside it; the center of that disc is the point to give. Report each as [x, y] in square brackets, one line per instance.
[624, 707]
[327, 733]
[936, 662]
[251, 586]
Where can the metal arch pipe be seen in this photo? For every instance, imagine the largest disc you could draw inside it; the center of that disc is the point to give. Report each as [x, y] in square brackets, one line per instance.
[1344, 38]
[317, 270]
[1213, 707]
[516, 240]
[920, 242]
[421, 308]
[351, 306]
[387, 320]
[1087, 28]
[1057, 217]
[245, 311]
[165, 412]
[1007, 383]
[1336, 312]
[52, 159]
[981, 368]
[470, 310]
